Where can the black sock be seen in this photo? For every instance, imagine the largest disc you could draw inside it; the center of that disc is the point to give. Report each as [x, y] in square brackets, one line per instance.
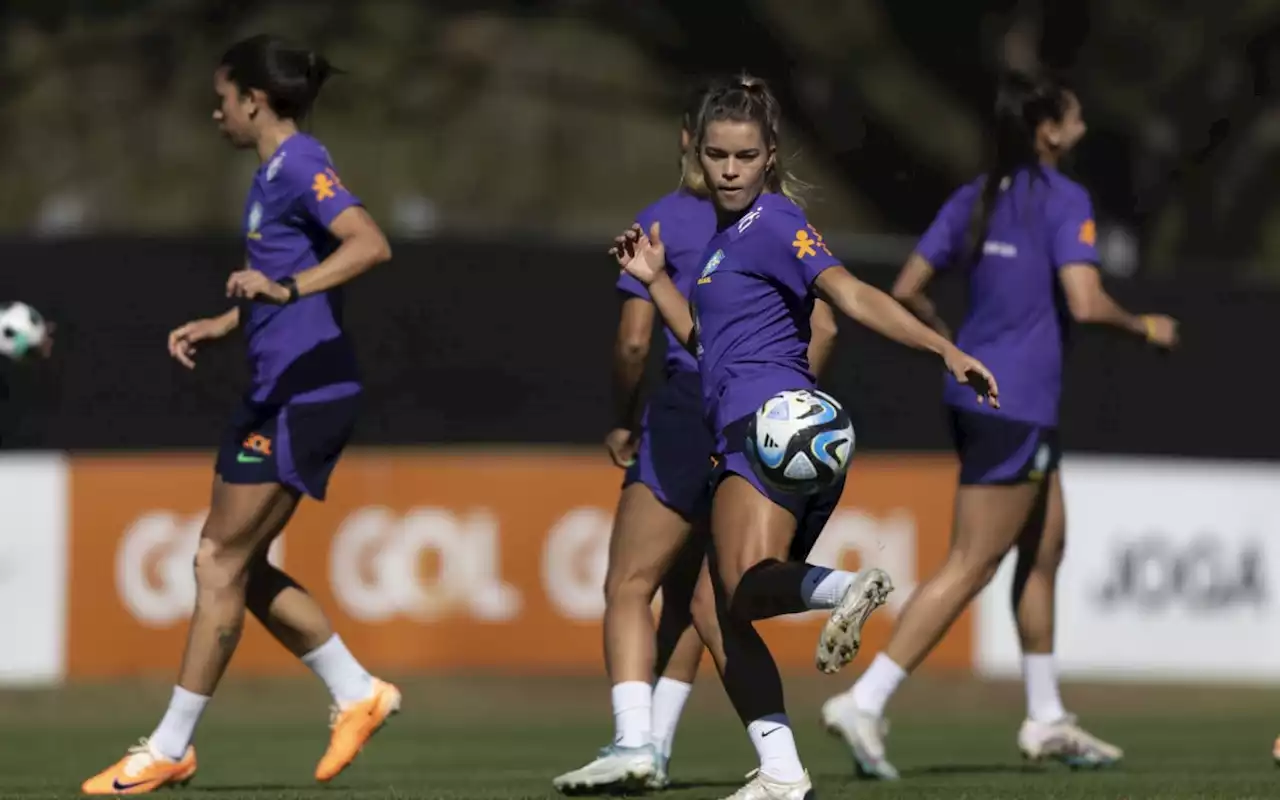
[770, 589]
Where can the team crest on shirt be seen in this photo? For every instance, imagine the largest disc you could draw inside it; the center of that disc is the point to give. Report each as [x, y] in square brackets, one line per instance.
[713, 263]
[273, 168]
[255, 220]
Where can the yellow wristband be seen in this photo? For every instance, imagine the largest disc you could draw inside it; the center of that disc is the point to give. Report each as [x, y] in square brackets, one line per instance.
[1151, 327]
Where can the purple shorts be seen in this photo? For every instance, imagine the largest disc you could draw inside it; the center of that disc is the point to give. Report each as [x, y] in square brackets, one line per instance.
[674, 457]
[997, 451]
[811, 511]
[296, 444]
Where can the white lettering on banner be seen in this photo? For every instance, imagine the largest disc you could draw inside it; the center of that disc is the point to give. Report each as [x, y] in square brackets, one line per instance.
[155, 559]
[575, 560]
[375, 566]
[1168, 573]
[886, 542]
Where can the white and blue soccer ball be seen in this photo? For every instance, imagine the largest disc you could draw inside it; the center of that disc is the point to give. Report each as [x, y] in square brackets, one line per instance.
[22, 329]
[800, 441]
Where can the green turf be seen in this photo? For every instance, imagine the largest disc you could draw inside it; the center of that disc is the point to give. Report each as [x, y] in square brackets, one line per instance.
[506, 738]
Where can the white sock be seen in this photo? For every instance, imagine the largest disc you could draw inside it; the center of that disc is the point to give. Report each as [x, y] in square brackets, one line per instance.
[178, 725]
[333, 663]
[823, 588]
[632, 713]
[668, 701]
[776, 747]
[873, 689]
[1040, 673]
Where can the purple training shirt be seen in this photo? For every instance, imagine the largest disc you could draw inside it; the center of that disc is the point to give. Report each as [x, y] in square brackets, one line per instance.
[751, 307]
[688, 222]
[297, 352]
[1017, 320]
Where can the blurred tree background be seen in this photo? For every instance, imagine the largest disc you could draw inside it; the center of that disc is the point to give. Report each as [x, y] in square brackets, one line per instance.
[558, 119]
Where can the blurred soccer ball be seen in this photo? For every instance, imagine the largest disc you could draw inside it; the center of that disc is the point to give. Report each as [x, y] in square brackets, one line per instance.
[800, 441]
[22, 330]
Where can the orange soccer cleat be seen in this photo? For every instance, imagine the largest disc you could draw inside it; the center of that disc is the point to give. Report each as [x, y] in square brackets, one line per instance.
[354, 725]
[142, 770]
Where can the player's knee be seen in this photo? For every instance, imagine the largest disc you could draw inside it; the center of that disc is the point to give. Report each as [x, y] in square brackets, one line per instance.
[218, 567]
[630, 583]
[975, 568]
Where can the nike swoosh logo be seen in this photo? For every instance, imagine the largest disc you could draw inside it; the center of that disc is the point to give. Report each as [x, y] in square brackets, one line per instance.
[120, 787]
[774, 730]
[243, 459]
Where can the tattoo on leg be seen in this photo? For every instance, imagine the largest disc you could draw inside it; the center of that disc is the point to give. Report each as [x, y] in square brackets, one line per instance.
[228, 638]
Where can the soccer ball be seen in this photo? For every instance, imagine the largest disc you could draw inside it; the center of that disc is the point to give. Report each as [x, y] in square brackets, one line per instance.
[800, 441]
[22, 329]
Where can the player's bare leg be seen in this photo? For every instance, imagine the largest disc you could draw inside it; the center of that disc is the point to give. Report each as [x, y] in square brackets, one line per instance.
[243, 519]
[647, 537]
[680, 644]
[1048, 732]
[987, 522]
[753, 537]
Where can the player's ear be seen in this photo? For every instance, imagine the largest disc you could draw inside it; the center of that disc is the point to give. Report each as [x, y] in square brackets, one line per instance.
[257, 101]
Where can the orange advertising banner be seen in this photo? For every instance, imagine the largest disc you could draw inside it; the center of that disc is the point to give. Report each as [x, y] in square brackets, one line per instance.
[446, 560]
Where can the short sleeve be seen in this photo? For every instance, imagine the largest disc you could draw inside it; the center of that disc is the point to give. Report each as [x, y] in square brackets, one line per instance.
[319, 189]
[806, 250]
[941, 242]
[627, 284]
[1075, 235]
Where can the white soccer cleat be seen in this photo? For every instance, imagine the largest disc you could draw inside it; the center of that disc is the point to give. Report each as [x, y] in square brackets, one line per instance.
[660, 780]
[842, 634]
[615, 769]
[862, 733]
[762, 787]
[1066, 741]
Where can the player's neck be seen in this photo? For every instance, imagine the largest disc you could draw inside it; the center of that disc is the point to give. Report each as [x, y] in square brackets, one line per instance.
[1049, 159]
[726, 218]
[271, 139]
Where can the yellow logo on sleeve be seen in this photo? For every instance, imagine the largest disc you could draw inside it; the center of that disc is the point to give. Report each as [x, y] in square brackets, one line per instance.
[808, 242]
[325, 183]
[1088, 233]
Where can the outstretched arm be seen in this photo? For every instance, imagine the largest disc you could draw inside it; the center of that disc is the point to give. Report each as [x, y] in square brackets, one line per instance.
[1089, 302]
[884, 315]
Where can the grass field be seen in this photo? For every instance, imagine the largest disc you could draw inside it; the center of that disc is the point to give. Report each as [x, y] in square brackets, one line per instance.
[505, 738]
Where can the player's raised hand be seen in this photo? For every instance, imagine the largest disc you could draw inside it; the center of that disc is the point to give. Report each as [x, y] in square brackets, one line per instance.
[641, 255]
[974, 374]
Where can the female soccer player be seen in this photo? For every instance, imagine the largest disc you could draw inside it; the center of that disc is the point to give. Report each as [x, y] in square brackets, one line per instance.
[307, 236]
[1024, 235]
[664, 497]
[748, 323]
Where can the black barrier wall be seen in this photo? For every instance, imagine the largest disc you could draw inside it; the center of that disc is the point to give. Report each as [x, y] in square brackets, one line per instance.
[493, 342]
